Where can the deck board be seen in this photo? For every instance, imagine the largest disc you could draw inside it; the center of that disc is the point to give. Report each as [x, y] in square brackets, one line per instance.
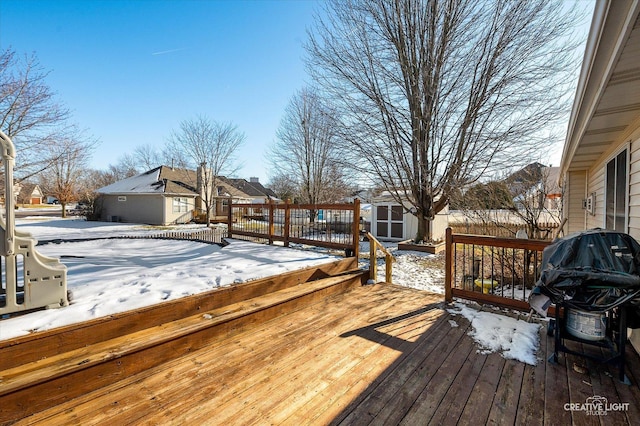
[504, 409]
[532, 389]
[378, 354]
[478, 407]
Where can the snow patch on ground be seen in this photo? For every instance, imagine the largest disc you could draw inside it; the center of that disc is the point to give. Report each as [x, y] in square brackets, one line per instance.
[515, 339]
[422, 271]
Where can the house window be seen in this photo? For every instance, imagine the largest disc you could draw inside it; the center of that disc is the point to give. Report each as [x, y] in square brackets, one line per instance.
[122, 198]
[180, 205]
[616, 193]
[389, 221]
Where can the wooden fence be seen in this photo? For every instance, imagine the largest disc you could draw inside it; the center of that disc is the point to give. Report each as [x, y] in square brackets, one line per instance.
[209, 236]
[335, 226]
[505, 230]
[500, 271]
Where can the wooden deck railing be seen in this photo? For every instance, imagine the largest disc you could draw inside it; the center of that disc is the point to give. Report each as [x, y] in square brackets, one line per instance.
[335, 226]
[500, 271]
[374, 245]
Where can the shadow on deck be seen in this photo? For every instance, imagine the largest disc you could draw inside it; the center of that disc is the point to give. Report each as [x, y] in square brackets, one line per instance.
[377, 354]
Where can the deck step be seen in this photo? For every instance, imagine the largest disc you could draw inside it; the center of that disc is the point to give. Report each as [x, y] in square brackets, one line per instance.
[43, 344]
[34, 386]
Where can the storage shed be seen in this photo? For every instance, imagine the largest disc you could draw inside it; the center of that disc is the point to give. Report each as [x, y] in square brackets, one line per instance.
[392, 221]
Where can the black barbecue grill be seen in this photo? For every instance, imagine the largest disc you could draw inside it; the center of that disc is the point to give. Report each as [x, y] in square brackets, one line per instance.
[593, 278]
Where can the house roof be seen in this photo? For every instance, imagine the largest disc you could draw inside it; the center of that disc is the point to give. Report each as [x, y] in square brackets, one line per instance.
[168, 180]
[552, 178]
[227, 187]
[525, 178]
[27, 190]
[527, 172]
[253, 189]
[606, 108]
[161, 180]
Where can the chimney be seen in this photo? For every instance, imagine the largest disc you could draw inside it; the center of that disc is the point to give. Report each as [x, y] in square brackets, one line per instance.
[202, 180]
[254, 180]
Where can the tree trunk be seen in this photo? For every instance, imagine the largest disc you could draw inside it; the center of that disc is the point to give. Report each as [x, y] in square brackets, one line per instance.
[424, 229]
[64, 210]
[208, 209]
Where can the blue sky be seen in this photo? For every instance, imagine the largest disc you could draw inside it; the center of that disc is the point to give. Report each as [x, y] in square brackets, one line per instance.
[131, 71]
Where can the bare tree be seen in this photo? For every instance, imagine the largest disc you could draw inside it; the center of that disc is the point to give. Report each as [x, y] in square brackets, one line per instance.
[210, 147]
[435, 94]
[306, 150]
[528, 199]
[125, 167]
[29, 112]
[492, 195]
[147, 157]
[535, 202]
[63, 177]
[285, 186]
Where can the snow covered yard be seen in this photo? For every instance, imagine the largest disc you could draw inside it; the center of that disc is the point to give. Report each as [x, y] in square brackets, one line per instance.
[107, 276]
[417, 270]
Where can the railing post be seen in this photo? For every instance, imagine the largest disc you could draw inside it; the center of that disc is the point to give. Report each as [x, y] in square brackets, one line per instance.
[271, 222]
[356, 228]
[287, 222]
[373, 262]
[229, 219]
[448, 265]
[388, 260]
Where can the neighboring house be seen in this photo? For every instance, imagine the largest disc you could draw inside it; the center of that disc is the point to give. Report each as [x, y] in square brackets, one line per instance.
[163, 196]
[227, 190]
[553, 191]
[391, 221]
[523, 180]
[600, 167]
[254, 189]
[28, 193]
[364, 195]
[535, 185]
[159, 196]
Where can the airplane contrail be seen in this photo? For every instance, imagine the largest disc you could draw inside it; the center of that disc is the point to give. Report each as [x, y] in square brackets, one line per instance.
[164, 52]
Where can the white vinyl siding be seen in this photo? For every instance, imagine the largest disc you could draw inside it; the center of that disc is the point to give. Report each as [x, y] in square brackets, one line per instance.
[634, 189]
[573, 196]
[596, 186]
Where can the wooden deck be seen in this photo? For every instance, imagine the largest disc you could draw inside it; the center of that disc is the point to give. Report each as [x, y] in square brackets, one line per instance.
[378, 354]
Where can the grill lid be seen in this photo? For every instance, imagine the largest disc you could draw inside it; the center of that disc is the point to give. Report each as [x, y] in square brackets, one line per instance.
[593, 270]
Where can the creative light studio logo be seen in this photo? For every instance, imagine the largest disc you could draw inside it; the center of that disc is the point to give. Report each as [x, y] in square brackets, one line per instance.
[596, 406]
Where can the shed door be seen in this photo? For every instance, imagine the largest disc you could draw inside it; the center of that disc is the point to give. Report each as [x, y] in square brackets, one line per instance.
[389, 222]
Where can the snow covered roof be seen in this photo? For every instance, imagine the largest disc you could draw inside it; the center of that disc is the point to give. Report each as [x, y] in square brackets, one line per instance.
[167, 180]
[160, 180]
